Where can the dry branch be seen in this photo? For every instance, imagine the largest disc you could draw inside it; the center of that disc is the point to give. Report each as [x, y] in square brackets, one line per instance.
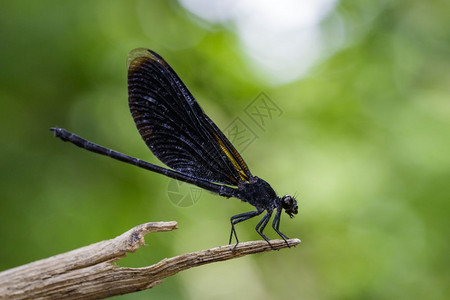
[90, 272]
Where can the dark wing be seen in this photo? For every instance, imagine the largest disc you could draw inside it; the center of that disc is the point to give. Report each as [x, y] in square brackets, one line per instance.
[174, 126]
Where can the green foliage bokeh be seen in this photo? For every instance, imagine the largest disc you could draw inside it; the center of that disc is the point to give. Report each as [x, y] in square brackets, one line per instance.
[363, 140]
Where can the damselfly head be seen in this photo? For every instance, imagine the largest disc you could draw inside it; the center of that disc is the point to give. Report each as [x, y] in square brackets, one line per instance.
[289, 205]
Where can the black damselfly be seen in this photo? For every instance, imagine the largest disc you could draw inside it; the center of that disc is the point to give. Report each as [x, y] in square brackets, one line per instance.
[183, 137]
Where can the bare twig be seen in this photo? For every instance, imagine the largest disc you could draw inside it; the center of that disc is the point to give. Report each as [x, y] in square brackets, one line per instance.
[90, 272]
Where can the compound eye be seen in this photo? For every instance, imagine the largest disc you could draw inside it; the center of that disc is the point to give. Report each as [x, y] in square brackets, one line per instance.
[287, 201]
[289, 205]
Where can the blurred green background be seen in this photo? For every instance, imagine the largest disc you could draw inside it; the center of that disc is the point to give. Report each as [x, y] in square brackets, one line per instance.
[363, 139]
